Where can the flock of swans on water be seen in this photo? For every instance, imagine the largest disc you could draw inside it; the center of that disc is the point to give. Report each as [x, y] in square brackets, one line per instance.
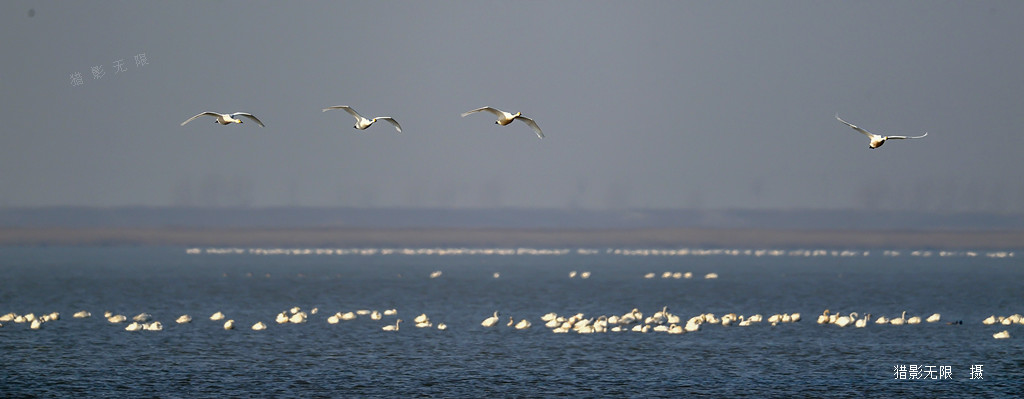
[504, 118]
[632, 321]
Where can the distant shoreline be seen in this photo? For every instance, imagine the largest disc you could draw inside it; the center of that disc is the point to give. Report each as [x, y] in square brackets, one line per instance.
[496, 237]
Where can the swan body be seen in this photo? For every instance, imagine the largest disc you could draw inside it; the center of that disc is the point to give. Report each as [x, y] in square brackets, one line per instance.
[120, 318]
[877, 140]
[392, 327]
[154, 326]
[184, 319]
[899, 321]
[490, 321]
[81, 314]
[1001, 335]
[217, 316]
[914, 320]
[135, 326]
[504, 118]
[225, 119]
[142, 317]
[523, 324]
[823, 318]
[361, 122]
[259, 326]
[229, 325]
[442, 326]
[933, 318]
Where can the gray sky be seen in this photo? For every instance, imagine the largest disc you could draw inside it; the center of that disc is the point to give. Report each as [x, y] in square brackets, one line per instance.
[710, 104]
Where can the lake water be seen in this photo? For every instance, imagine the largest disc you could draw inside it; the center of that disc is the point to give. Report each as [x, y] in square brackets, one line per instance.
[92, 357]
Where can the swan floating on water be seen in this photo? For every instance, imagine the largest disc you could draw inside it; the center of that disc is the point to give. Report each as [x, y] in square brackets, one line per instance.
[504, 118]
[225, 119]
[229, 325]
[392, 327]
[1001, 335]
[259, 326]
[217, 316]
[490, 321]
[363, 123]
[81, 314]
[933, 318]
[184, 319]
[877, 140]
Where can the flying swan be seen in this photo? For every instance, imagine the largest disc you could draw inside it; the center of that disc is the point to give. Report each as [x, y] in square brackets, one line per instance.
[877, 140]
[225, 119]
[361, 122]
[504, 118]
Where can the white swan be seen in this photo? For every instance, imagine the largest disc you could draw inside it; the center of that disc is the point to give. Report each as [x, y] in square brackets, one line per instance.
[135, 326]
[523, 324]
[442, 326]
[914, 320]
[899, 321]
[363, 123]
[259, 326]
[81, 314]
[375, 315]
[390, 312]
[184, 319]
[1001, 335]
[229, 325]
[933, 318]
[392, 327]
[844, 321]
[823, 318]
[225, 119]
[333, 319]
[504, 118]
[421, 318]
[348, 316]
[298, 318]
[877, 140]
[154, 326]
[142, 317]
[217, 316]
[863, 322]
[120, 318]
[490, 321]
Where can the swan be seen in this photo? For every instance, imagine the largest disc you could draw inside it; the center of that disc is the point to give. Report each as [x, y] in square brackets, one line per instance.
[229, 325]
[504, 118]
[135, 326]
[225, 119]
[914, 320]
[933, 318]
[298, 318]
[259, 326]
[81, 314]
[490, 321]
[523, 324]
[649, 275]
[882, 320]
[390, 312]
[675, 329]
[184, 319]
[711, 276]
[36, 324]
[442, 326]
[877, 140]
[823, 318]
[1001, 335]
[899, 321]
[392, 327]
[334, 318]
[496, 275]
[990, 320]
[142, 317]
[120, 318]
[154, 326]
[282, 318]
[363, 123]
[863, 322]
[844, 321]
[421, 318]
[435, 274]
[217, 316]
[375, 315]
[348, 316]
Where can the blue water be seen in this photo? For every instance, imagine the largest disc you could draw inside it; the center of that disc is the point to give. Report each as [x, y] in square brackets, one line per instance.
[92, 357]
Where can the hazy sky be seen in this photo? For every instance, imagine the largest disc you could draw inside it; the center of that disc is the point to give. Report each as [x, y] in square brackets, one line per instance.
[666, 104]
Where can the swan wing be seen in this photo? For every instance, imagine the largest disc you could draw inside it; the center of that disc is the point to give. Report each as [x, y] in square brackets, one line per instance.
[392, 121]
[347, 109]
[533, 125]
[213, 114]
[495, 111]
[248, 115]
[906, 137]
[866, 133]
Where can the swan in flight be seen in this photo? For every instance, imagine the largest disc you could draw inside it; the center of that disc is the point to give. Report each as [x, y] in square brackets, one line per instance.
[363, 123]
[877, 140]
[504, 118]
[225, 119]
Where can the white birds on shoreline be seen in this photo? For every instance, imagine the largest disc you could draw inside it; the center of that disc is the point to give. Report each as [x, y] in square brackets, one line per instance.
[361, 122]
[505, 118]
[225, 119]
[877, 140]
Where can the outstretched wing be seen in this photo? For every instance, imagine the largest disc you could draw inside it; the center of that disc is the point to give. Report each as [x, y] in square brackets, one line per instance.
[248, 115]
[866, 133]
[393, 122]
[906, 137]
[533, 125]
[347, 109]
[495, 111]
[213, 114]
